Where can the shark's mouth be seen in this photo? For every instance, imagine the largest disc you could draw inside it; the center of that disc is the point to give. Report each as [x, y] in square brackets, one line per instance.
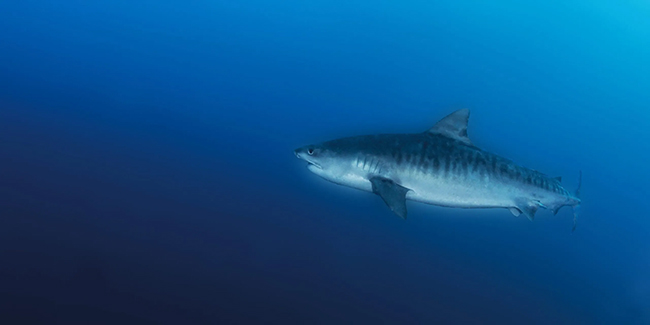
[311, 163]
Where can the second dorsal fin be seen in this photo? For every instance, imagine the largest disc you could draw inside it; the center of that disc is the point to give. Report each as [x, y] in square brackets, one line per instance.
[454, 126]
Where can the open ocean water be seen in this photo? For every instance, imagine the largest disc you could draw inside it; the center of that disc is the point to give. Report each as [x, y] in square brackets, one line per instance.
[147, 172]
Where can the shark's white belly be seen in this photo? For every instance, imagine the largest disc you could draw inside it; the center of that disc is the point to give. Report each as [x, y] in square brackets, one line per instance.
[474, 191]
[462, 193]
[459, 192]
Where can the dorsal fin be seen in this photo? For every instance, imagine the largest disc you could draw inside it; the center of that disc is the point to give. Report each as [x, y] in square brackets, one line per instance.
[454, 126]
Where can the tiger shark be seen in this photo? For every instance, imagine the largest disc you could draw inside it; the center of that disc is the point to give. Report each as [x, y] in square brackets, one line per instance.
[441, 167]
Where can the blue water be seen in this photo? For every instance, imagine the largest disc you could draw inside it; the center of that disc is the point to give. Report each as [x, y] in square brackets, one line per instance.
[147, 173]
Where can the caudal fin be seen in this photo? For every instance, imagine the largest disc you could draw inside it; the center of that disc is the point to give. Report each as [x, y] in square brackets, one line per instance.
[576, 208]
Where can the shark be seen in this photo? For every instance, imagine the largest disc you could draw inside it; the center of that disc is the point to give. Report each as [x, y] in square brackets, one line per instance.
[440, 166]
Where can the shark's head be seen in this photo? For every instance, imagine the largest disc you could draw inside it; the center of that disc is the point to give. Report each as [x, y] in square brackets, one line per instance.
[318, 157]
[346, 161]
[326, 160]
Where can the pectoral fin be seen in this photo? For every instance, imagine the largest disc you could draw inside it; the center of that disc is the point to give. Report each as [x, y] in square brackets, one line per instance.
[393, 194]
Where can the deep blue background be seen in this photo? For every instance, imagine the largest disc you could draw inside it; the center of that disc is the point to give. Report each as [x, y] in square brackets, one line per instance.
[147, 174]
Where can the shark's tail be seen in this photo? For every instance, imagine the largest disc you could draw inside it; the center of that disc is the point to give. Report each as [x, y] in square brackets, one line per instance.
[576, 207]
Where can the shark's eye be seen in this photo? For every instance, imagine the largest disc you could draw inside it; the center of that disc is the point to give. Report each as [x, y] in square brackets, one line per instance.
[310, 151]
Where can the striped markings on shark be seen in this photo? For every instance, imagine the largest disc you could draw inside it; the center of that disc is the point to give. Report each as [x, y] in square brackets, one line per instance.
[441, 167]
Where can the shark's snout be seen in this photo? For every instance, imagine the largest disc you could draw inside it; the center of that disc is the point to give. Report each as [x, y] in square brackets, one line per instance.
[300, 153]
